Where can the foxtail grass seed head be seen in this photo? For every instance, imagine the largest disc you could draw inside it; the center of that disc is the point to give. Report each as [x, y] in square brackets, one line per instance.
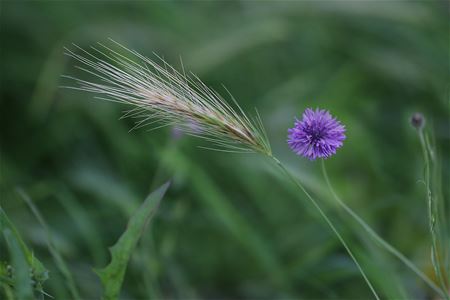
[418, 120]
[317, 135]
[178, 132]
[162, 96]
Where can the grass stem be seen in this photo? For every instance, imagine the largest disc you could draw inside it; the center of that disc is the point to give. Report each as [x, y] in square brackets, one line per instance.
[391, 249]
[432, 214]
[328, 221]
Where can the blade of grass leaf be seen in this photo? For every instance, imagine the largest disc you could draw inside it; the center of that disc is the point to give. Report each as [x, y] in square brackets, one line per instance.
[7, 291]
[433, 216]
[22, 281]
[440, 205]
[59, 260]
[40, 273]
[112, 275]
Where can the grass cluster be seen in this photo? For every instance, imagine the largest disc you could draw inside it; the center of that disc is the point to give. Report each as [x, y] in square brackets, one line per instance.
[230, 226]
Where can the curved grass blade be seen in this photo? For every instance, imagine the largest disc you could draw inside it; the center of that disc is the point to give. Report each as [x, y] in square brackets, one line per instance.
[59, 260]
[112, 275]
[18, 246]
[40, 272]
[438, 244]
[22, 280]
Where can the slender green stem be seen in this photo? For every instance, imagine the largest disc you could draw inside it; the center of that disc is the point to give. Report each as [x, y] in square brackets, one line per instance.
[432, 216]
[328, 221]
[439, 209]
[378, 238]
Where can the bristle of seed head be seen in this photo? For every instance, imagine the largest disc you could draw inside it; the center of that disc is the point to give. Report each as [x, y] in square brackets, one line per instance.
[162, 96]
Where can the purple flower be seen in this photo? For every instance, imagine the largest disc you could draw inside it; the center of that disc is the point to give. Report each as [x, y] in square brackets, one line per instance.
[317, 135]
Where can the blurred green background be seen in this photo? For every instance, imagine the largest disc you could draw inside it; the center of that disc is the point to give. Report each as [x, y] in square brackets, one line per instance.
[230, 226]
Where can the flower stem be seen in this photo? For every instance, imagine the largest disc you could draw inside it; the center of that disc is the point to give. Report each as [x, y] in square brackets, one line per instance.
[378, 238]
[328, 221]
[432, 215]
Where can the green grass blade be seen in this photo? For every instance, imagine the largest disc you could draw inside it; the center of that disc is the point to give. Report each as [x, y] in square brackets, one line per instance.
[112, 275]
[433, 213]
[7, 291]
[59, 260]
[40, 272]
[22, 280]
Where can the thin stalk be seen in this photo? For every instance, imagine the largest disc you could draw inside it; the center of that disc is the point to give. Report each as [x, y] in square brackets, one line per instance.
[432, 217]
[329, 222]
[378, 238]
[439, 208]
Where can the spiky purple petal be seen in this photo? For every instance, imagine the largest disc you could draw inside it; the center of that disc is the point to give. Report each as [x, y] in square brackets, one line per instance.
[317, 135]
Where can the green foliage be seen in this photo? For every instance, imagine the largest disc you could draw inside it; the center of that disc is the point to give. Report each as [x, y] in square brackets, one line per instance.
[22, 282]
[437, 218]
[26, 273]
[231, 227]
[60, 263]
[112, 275]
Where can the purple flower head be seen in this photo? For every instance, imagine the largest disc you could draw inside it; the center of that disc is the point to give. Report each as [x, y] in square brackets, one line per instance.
[317, 135]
